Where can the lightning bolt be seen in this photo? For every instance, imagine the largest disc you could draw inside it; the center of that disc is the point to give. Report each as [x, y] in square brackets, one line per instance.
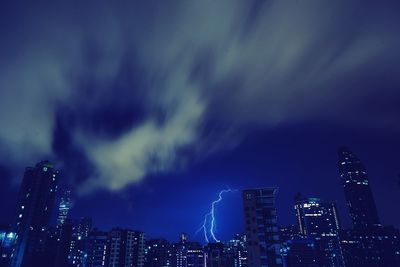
[213, 221]
[204, 227]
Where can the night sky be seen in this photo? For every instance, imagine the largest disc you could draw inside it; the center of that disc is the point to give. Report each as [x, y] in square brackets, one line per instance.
[150, 108]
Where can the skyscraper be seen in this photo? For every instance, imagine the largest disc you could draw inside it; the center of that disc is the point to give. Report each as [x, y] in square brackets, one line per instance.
[368, 243]
[35, 202]
[64, 207]
[318, 219]
[357, 191]
[262, 232]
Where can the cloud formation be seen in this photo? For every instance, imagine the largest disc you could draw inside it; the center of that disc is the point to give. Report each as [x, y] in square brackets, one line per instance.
[127, 87]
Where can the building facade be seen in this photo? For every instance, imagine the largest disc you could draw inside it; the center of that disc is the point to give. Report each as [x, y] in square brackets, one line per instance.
[158, 253]
[262, 232]
[357, 191]
[300, 252]
[126, 248]
[35, 203]
[97, 248]
[318, 220]
[368, 243]
[7, 243]
[236, 251]
[195, 255]
[64, 207]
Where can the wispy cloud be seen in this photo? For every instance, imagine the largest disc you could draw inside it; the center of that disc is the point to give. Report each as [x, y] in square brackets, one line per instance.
[144, 81]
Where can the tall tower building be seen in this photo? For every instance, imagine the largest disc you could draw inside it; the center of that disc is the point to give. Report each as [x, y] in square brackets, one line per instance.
[64, 207]
[368, 243]
[359, 198]
[262, 232]
[318, 220]
[35, 203]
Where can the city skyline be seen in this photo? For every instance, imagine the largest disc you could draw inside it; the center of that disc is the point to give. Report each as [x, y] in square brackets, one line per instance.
[160, 114]
[132, 114]
[234, 199]
[64, 203]
[317, 237]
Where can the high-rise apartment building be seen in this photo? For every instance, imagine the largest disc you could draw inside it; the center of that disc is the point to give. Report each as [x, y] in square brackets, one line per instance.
[35, 203]
[262, 232]
[126, 248]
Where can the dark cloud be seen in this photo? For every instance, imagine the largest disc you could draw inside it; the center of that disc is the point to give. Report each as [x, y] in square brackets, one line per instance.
[125, 88]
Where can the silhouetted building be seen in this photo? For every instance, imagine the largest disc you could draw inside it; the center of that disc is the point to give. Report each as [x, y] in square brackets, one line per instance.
[289, 232]
[47, 256]
[357, 191]
[126, 248]
[371, 247]
[300, 252]
[179, 254]
[158, 253]
[78, 248]
[262, 232]
[64, 207]
[183, 238]
[83, 228]
[64, 244]
[35, 203]
[236, 251]
[216, 256]
[297, 250]
[318, 220]
[195, 255]
[7, 243]
[96, 248]
[368, 243]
